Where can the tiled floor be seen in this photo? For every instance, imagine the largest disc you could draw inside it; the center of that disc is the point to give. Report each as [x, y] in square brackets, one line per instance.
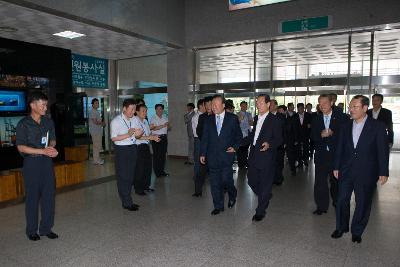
[174, 229]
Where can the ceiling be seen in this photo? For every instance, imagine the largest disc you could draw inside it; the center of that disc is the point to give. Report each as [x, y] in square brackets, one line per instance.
[315, 50]
[38, 27]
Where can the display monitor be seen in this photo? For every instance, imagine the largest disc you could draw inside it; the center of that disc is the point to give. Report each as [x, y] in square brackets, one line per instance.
[12, 101]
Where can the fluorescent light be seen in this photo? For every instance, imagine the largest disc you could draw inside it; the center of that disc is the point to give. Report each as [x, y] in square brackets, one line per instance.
[69, 34]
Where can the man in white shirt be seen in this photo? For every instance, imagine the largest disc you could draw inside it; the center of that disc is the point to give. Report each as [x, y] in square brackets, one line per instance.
[188, 121]
[124, 134]
[159, 126]
[142, 180]
[96, 131]
[246, 121]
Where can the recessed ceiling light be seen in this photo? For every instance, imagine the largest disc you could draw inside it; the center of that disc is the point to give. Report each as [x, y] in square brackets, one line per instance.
[69, 34]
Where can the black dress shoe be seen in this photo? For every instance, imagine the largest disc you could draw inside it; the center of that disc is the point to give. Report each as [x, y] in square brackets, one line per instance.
[216, 211]
[51, 235]
[140, 193]
[149, 190]
[231, 203]
[338, 234]
[319, 212]
[165, 174]
[278, 183]
[257, 217]
[197, 195]
[356, 238]
[132, 207]
[34, 237]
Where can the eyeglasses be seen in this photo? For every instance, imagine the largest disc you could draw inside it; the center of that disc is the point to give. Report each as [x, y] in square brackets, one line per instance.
[354, 107]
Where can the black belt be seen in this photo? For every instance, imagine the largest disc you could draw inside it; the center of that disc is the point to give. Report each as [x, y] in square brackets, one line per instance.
[162, 135]
[126, 145]
[144, 144]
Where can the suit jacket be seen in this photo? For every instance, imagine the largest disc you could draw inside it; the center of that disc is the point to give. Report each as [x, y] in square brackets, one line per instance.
[370, 158]
[305, 128]
[338, 119]
[292, 128]
[188, 121]
[385, 116]
[271, 132]
[200, 124]
[214, 146]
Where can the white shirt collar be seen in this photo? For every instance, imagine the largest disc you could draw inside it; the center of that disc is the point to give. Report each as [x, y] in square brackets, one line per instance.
[222, 115]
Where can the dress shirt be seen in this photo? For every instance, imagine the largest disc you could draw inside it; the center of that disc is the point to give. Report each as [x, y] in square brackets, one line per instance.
[120, 126]
[95, 128]
[376, 114]
[221, 120]
[357, 129]
[157, 121]
[244, 124]
[260, 123]
[195, 121]
[144, 125]
[301, 116]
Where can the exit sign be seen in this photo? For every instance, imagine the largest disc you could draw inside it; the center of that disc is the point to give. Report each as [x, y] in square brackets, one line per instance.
[306, 24]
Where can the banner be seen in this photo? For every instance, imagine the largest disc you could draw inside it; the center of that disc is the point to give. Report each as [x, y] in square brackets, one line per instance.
[89, 72]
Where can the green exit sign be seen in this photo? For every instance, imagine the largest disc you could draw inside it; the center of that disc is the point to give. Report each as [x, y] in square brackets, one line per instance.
[306, 24]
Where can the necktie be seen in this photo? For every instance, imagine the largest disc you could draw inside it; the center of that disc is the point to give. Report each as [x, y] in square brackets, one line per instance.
[218, 124]
[326, 120]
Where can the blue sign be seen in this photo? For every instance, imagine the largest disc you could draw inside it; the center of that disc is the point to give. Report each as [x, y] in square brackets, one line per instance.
[89, 72]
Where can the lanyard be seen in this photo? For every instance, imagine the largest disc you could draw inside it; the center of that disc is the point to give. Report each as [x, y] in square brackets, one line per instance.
[142, 125]
[130, 123]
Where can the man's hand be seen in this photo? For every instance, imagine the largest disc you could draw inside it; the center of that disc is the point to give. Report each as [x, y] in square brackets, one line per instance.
[383, 179]
[138, 132]
[203, 160]
[230, 150]
[165, 124]
[264, 146]
[336, 174]
[50, 152]
[131, 131]
[155, 138]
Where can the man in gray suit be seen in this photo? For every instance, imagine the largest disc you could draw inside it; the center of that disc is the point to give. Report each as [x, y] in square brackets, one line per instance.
[188, 121]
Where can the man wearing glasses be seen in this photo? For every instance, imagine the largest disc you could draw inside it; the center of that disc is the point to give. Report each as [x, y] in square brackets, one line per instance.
[361, 159]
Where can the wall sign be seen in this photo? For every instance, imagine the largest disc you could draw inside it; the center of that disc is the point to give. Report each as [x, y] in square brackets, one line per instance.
[306, 24]
[89, 72]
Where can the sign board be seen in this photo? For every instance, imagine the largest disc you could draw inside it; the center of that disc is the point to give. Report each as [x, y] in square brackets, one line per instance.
[89, 72]
[306, 24]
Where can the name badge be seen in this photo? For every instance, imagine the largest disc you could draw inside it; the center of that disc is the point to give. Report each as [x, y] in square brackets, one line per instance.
[44, 140]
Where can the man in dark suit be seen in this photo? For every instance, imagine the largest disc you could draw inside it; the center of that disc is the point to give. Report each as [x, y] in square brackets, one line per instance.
[220, 140]
[304, 135]
[201, 172]
[280, 151]
[265, 138]
[325, 130]
[292, 125]
[309, 107]
[382, 114]
[361, 159]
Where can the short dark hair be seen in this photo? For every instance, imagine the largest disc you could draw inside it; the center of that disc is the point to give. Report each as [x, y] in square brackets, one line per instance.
[190, 105]
[208, 99]
[36, 96]
[378, 95]
[364, 100]
[200, 102]
[243, 102]
[266, 97]
[94, 100]
[299, 105]
[309, 104]
[282, 107]
[274, 100]
[128, 102]
[329, 96]
[140, 101]
[220, 97]
[159, 105]
[138, 107]
[333, 94]
[290, 104]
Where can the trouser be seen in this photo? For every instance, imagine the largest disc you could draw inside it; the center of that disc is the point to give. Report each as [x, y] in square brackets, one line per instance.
[303, 152]
[291, 154]
[280, 164]
[312, 148]
[323, 172]
[364, 192]
[97, 140]
[220, 179]
[159, 155]
[190, 149]
[242, 155]
[200, 170]
[125, 163]
[142, 180]
[260, 181]
[39, 181]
